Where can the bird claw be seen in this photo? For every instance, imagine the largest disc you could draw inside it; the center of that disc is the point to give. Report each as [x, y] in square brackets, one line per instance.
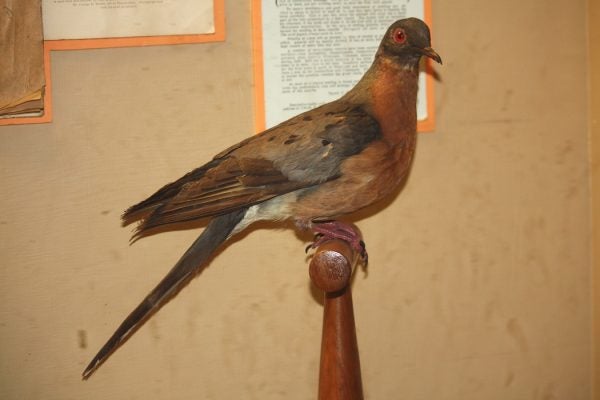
[363, 252]
[317, 242]
[326, 231]
[310, 246]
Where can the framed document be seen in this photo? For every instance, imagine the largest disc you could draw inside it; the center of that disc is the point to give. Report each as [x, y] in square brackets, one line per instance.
[307, 53]
[84, 24]
[92, 24]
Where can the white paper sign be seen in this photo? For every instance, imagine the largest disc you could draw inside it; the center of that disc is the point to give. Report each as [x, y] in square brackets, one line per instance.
[92, 19]
[314, 51]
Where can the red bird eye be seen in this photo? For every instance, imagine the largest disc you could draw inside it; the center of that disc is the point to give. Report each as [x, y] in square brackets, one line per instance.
[399, 36]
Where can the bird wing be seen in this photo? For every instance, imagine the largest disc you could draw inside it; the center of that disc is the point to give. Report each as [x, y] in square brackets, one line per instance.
[304, 151]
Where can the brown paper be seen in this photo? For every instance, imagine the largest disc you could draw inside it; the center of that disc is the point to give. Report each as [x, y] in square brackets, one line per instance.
[21, 57]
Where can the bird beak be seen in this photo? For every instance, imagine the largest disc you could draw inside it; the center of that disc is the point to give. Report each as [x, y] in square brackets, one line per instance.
[429, 52]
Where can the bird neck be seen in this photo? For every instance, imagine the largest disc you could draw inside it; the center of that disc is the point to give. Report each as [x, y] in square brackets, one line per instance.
[388, 91]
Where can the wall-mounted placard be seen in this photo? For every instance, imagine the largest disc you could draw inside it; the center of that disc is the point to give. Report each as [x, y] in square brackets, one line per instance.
[119, 19]
[308, 52]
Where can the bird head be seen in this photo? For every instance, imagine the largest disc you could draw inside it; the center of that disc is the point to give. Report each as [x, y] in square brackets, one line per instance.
[406, 40]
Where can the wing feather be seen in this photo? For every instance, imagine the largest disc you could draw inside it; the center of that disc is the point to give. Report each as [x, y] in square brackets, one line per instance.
[305, 151]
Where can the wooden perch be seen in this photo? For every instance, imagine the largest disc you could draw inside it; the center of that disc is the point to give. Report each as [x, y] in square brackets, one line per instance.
[339, 376]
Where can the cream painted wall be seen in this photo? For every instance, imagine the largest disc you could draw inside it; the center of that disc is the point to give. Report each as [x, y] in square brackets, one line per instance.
[479, 282]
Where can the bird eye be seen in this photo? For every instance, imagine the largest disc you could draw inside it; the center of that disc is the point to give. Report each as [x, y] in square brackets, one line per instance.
[399, 36]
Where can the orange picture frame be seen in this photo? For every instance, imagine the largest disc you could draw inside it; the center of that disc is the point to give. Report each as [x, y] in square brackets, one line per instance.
[81, 44]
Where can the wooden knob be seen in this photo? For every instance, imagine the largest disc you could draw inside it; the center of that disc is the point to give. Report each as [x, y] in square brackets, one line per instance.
[331, 267]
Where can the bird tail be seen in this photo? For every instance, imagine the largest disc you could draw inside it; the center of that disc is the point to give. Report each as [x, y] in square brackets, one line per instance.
[217, 231]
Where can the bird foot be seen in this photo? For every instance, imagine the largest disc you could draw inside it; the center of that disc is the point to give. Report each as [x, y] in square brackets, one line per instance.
[326, 231]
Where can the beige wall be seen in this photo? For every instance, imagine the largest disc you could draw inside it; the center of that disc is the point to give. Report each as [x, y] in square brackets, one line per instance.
[479, 283]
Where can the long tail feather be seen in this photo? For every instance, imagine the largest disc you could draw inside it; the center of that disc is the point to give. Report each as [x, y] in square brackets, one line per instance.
[190, 263]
